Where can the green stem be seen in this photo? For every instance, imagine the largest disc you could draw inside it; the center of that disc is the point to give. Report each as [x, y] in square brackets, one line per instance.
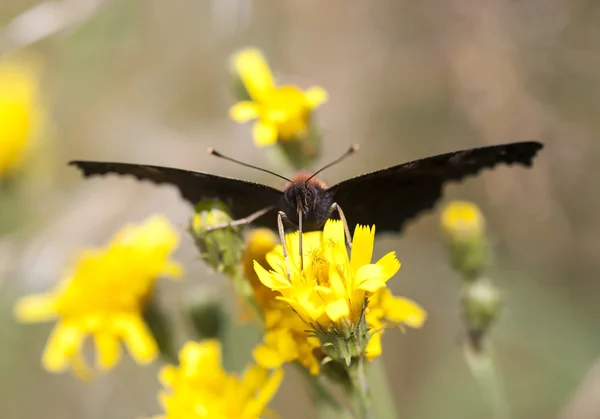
[361, 394]
[482, 367]
[326, 404]
[383, 400]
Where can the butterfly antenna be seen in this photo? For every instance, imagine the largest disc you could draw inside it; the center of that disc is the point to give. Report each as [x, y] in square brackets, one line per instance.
[349, 152]
[215, 153]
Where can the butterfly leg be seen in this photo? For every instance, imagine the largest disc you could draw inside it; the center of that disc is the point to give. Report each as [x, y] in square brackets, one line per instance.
[242, 221]
[336, 207]
[280, 217]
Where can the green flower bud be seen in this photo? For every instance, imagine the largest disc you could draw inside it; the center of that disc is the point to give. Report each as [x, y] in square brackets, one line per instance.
[481, 306]
[161, 329]
[221, 248]
[207, 314]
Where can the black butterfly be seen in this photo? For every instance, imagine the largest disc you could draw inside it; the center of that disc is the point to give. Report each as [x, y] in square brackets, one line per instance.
[387, 198]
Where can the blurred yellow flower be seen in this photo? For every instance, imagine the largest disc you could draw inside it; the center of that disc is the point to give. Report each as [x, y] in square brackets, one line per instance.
[334, 291]
[282, 112]
[199, 388]
[104, 296]
[259, 242]
[463, 226]
[462, 219]
[20, 114]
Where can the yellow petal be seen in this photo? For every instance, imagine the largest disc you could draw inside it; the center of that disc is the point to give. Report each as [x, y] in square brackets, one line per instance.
[36, 308]
[64, 343]
[108, 350]
[336, 281]
[370, 277]
[337, 310]
[264, 133]
[267, 391]
[402, 310]
[333, 235]
[276, 116]
[315, 96]
[271, 280]
[204, 356]
[80, 368]
[138, 338]
[244, 111]
[390, 265]
[172, 270]
[276, 260]
[374, 345]
[362, 246]
[372, 285]
[254, 72]
[266, 384]
[167, 375]
[254, 377]
[267, 357]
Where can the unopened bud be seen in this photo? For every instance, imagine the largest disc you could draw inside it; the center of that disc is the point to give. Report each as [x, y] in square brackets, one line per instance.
[481, 306]
[464, 230]
[220, 245]
[207, 313]
[161, 329]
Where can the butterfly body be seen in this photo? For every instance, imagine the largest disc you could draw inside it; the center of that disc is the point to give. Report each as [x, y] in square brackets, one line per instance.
[387, 198]
[307, 197]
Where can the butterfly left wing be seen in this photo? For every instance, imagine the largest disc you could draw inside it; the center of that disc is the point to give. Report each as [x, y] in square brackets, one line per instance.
[390, 197]
[243, 198]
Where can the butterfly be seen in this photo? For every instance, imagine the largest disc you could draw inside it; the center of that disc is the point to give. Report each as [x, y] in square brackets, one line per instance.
[388, 198]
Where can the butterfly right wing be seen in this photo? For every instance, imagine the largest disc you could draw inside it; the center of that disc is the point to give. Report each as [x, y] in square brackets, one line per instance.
[243, 198]
[390, 197]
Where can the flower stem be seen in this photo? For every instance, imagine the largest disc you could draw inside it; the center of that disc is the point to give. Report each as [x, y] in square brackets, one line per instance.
[326, 404]
[482, 367]
[384, 406]
[361, 394]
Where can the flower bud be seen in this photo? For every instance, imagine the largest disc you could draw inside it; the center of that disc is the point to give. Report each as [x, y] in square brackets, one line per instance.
[222, 247]
[161, 329]
[481, 306]
[464, 228]
[207, 313]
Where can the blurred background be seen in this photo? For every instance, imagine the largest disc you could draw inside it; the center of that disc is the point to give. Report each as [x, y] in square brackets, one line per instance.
[146, 81]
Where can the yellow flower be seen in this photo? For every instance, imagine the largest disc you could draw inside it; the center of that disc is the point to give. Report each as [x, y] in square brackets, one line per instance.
[282, 112]
[199, 388]
[463, 226]
[334, 293]
[20, 114]
[259, 242]
[461, 219]
[285, 337]
[332, 286]
[103, 296]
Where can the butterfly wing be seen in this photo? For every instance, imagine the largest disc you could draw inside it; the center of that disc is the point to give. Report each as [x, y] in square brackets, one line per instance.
[243, 198]
[390, 197]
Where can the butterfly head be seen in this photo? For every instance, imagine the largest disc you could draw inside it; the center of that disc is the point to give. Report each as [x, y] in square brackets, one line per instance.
[305, 197]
